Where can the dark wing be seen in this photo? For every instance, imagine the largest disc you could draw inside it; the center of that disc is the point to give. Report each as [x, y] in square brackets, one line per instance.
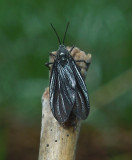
[82, 107]
[62, 91]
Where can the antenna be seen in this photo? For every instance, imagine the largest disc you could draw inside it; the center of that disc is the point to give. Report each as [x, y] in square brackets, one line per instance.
[56, 33]
[66, 32]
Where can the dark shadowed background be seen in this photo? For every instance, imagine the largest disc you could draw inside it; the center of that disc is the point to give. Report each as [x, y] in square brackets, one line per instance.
[100, 27]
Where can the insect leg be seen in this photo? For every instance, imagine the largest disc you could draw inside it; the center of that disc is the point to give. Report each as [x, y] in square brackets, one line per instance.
[86, 62]
[72, 48]
[51, 54]
[47, 64]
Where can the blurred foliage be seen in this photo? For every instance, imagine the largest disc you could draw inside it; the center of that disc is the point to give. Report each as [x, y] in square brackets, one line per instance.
[103, 28]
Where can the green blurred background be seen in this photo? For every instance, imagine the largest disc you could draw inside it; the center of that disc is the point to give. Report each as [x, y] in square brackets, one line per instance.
[100, 27]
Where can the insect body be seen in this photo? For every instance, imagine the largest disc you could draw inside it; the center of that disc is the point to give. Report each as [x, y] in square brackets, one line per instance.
[68, 92]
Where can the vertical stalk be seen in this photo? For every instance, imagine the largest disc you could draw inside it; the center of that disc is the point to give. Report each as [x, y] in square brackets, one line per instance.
[56, 141]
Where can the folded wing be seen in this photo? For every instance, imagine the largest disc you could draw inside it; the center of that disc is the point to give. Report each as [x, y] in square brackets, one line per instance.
[82, 106]
[62, 91]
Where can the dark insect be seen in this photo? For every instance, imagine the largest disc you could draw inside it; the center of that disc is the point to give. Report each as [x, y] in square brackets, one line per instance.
[68, 92]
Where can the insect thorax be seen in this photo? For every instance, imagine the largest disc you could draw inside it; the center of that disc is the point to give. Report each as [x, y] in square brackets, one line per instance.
[62, 54]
